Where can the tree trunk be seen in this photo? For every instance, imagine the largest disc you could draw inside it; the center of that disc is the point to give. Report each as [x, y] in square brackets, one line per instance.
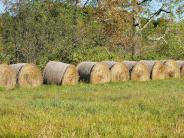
[137, 36]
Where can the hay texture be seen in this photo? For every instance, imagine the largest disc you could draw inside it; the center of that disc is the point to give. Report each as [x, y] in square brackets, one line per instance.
[156, 69]
[60, 73]
[119, 71]
[180, 63]
[130, 64]
[94, 72]
[181, 67]
[182, 71]
[27, 75]
[140, 72]
[7, 77]
[172, 69]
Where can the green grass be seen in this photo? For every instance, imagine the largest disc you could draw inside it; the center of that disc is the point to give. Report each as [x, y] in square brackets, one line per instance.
[131, 109]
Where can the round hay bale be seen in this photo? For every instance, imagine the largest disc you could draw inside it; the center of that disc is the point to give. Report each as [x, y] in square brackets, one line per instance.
[172, 69]
[60, 73]
[140, 72]
[119, 71]
[27, 74]
[7, 77]
[180, 63]
[181, 67]
[94, 72]
[156, 69]
[149, 63]
[130, 64]
[182, 71]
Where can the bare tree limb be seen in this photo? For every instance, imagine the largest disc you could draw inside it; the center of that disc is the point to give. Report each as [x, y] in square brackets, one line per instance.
[159, 38]
[108, 52]
[139, 3]
[87, 1]
[158, 12]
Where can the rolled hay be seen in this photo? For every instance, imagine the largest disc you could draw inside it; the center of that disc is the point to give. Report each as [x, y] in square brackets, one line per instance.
[60, 73]
[182, 71]
[27, 75]
[181, 67]
[94, 72]
[119, 71]
[130, 65]
[156, 69]
[140, 72]
[7, 77]
[172, 69]
[180, 63]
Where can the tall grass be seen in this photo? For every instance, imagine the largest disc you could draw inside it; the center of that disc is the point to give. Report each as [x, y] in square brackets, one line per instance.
[130, 109]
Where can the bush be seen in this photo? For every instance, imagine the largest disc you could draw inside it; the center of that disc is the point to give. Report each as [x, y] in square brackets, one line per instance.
[91, 54]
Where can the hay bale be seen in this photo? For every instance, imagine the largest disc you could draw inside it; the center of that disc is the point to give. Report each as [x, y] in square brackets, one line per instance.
[60, 73]
[7, 77]
[130, 64]
[119, 71]
[180, 63]
[172, 69]
[94, 72]
[27, 75]
[149, 63]
[156, 69]
[140, 72]
[181, 66]
[182, 70]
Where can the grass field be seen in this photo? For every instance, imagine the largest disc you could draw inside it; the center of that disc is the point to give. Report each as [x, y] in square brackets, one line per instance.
[131, 109]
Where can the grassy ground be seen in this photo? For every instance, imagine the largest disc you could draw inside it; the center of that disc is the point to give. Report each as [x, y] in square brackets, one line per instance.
[131, 109]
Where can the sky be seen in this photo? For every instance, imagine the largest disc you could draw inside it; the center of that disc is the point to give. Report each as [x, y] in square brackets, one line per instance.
[155, 5]
[1, 7]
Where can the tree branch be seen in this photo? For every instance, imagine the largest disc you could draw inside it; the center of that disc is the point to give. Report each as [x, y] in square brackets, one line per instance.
[107, 51]
[155, 14]
[139, 3]
[159, 38]
[87, 1]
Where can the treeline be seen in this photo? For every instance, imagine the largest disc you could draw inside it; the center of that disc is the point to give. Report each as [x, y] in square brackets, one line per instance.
[39, 31]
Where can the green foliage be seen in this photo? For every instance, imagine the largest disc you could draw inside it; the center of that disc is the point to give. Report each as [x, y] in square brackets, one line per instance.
[42, 31]
[91, 54]
[170, 43]
[175, 46]
[39, 31]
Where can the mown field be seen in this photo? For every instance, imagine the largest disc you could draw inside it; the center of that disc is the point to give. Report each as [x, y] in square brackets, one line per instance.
[131, 109]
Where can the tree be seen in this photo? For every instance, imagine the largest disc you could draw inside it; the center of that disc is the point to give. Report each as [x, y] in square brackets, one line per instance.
[38, 31]
[41, 30]
[138, 9]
